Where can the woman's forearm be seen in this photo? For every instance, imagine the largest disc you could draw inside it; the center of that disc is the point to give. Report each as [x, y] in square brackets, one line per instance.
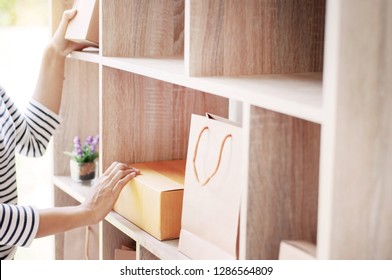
[61, 219]
[50, 80]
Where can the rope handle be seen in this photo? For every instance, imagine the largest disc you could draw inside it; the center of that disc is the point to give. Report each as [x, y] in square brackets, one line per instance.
[219, 158]
[86, 243]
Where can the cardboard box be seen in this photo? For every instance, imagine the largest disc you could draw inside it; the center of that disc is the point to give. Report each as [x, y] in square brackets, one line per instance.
[84, 27]
[297, 250]
[153, 200]
[125, 253]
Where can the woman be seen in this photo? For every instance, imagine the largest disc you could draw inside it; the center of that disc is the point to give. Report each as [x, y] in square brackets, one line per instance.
[29, 134]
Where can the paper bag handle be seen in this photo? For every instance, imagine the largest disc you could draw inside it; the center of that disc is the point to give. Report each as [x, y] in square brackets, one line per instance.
[219, 158]
[86, 243]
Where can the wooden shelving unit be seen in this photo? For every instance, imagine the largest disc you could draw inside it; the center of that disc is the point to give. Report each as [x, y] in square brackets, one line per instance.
[315, 111]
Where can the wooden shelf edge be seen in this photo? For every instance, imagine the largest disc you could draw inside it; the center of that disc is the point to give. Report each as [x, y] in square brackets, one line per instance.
[298, 95]
[165, 250]
[73, 189]
[86, 55]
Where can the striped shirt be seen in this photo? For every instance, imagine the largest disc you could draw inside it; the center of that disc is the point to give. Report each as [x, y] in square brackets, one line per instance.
[28, 134]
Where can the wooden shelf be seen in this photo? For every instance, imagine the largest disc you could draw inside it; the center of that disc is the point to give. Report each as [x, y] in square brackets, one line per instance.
[297, 95]
[166, 250]
[72, 188]
[89, 55]
[315, 113]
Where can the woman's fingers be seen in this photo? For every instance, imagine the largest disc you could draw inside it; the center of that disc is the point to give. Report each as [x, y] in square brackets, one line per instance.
[136, 170]
[111, 167]
[63, 46]
[116, 166]
[118, 176]
[67, 16]
[116, 172]
[111, 172]
[122, 182]
[106, 191]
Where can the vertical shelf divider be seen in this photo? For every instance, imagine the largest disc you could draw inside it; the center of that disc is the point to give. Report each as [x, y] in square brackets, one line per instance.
[355, 219]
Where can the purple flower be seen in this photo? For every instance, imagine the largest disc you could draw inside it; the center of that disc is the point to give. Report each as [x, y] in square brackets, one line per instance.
[86, 153]
[95, 140]
[78, 152]
[77, 147]
[89, 140]
[92, 141]
[76, 141]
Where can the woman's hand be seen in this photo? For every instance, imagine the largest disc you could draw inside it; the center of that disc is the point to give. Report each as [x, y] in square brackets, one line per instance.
[51, 76]
[105, 192]
[59, 43]
[96, 206]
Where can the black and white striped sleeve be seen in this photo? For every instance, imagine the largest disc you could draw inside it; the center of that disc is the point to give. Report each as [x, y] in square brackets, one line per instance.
[34, 130]
[19, 224]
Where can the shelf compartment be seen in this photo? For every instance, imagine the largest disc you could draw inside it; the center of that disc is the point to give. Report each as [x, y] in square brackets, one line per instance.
[112, 239]
[297, 250]
[71, 244]
[166, 250]
[79, 109]
[135, 28]
[231, 37]
[282, 195]
[145, 254]
[144, 119]
[297, 95]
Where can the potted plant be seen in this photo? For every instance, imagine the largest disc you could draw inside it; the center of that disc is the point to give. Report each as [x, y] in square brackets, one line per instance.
[83, 164]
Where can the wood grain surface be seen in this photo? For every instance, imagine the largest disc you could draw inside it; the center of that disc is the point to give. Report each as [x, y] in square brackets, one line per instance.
[249, 37]
[144, 119]
[113, 238]
[79, 110]
[356, 178]
[346, 210]
[144, 254]
[71, 245]
[141, 28]
[283, 182]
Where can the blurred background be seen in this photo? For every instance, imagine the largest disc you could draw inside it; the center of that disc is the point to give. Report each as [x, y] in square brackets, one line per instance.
[24, 33]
